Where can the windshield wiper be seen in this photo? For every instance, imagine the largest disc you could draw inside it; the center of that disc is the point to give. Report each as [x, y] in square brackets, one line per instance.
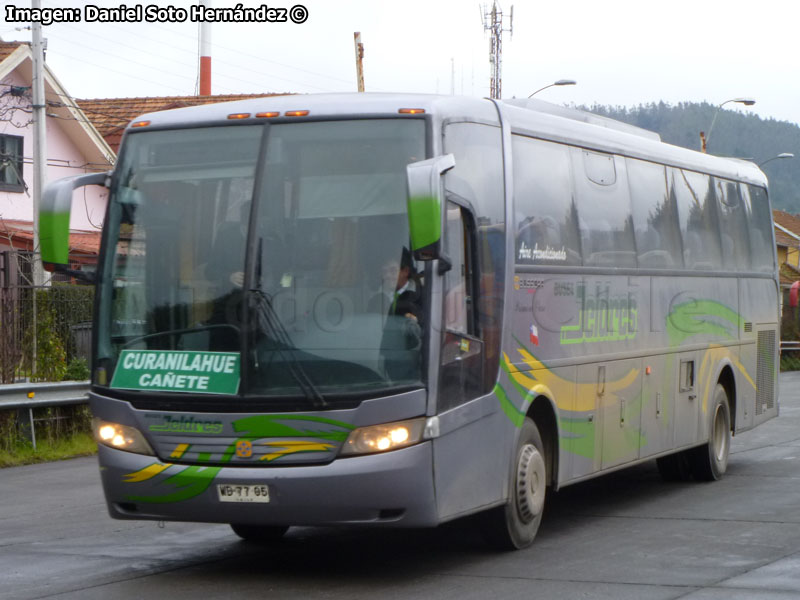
[273, 327]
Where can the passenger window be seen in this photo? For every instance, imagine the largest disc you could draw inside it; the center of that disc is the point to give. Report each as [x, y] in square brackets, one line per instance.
[478, 180]
[462, 352]
[545, 216]
[759, 222]
[733, 226]
[698, 220]
[655, 217]
[457, 281]
[604, 210]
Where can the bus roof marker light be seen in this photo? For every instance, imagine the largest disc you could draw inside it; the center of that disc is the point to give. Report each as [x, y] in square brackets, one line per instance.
[239, 116]
[268, 115]
[412, 111]
[140, 124]
[295, 113]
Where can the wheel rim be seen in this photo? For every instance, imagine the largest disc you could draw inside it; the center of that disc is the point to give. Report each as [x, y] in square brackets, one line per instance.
[720, 434]
[531, 483]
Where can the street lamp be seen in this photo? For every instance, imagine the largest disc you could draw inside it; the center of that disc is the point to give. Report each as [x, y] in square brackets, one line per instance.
[703, 137]
[559, 82]
[781, 155]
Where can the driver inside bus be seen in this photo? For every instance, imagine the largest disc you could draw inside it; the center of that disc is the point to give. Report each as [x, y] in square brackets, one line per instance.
[400, 289]
[400, 299]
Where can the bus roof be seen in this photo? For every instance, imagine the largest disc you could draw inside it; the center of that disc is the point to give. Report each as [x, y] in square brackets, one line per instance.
[534, 118]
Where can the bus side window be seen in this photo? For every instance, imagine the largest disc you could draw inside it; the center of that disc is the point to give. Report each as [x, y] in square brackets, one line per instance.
[733, 226]
[655, 216]
[458, 292]
[759, 225]
[604, 209]
[462, 351]
[698, 219]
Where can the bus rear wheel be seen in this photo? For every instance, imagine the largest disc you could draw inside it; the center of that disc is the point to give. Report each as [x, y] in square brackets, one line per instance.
[514, 525]
[710, 461]
[259, 533]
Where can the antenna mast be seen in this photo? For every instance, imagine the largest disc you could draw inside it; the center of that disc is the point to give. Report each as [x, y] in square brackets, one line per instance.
[493, 22]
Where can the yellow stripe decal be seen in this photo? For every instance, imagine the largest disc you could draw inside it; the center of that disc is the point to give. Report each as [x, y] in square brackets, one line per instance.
[291, 447]
[146, 473]
[179, 451]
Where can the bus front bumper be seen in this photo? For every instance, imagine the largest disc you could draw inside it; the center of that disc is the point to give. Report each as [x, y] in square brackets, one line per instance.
[393, 489]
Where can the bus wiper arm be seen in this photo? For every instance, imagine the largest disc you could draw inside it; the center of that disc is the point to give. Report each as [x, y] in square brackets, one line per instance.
[284, 346]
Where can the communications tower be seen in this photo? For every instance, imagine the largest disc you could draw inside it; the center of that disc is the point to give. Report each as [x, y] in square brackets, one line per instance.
[493, 22]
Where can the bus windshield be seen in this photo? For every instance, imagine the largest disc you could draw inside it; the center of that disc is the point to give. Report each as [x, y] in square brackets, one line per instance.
[265, 260]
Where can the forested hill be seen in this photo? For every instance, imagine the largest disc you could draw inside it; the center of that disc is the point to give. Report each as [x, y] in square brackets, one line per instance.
[734, 134]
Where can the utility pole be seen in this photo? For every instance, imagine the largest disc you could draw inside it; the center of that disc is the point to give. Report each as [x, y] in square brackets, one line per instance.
[493, 22]
[39, 137]
[359, 60]
[39, 163]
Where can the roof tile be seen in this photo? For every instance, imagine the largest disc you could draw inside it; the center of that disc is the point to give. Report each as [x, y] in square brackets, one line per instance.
[110, 116]
[7, 48]
[787, 221]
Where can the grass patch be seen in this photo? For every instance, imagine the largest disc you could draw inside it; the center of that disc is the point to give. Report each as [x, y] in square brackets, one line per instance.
[790, 362]
[61, 432]
[78, 444]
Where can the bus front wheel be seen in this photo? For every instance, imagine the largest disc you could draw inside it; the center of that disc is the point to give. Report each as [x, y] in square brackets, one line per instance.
[259, 533]
[710, 461]
[514, 525]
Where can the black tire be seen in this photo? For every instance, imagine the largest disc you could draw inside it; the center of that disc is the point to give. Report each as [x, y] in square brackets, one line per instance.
[513, 526]
[675, 467]
[710, 461]
[262, 534]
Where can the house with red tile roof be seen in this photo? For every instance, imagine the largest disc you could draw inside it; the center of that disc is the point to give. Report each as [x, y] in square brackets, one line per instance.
[110, 116]
[73, 147]
[787, 241]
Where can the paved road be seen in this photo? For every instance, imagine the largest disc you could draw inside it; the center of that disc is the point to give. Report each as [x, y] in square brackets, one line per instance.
[625, 536]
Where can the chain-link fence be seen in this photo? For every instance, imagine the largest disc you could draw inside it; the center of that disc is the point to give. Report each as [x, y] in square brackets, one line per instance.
[46, 330]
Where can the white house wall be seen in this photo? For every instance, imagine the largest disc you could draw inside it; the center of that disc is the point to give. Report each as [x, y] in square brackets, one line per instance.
[63, 159]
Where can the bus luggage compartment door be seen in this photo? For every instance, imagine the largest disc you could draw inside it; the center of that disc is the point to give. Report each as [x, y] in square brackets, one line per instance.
[617, 388]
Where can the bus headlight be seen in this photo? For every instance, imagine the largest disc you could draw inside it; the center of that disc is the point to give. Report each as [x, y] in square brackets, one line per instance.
[384, 437]
[121, 437]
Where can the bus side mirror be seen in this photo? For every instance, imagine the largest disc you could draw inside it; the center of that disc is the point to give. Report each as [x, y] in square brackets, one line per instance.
[54, 216]
[425, 200]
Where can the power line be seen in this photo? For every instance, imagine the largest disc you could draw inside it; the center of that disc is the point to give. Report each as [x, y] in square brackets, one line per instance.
[151, 68]
[218, 60]
[261, 59]
[237, 65]
[117, 57]
[103, 67]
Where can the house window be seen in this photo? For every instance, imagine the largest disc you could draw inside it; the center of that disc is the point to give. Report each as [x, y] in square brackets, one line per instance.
[11, 163]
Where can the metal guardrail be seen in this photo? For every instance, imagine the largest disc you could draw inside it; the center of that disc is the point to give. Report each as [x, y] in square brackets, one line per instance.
[39, 395]
[790, 346]
[28, 396]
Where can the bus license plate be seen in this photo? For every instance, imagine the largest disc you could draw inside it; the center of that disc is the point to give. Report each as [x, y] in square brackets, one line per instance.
[242, 493]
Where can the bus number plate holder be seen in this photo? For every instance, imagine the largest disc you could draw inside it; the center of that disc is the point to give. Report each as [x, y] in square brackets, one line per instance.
[230, 492]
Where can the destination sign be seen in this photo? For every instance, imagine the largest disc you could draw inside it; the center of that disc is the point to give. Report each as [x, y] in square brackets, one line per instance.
[178, 371]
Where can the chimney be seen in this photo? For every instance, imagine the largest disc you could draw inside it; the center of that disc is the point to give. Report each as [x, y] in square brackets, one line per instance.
[205, 55]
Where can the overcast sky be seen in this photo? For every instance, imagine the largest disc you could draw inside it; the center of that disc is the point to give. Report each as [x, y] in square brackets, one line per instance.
[620, 52]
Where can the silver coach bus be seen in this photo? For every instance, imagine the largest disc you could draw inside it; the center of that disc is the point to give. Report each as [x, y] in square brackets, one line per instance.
[399, 310]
